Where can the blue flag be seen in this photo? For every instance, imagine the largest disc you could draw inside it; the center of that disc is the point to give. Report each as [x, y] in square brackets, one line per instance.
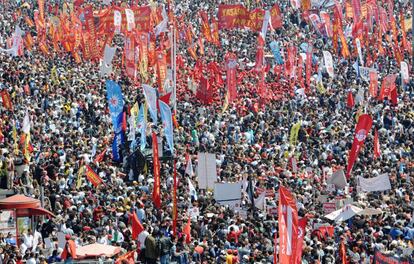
[166, 118]
[115, 102]
[142, 125]
[274, 46]
[119, 140]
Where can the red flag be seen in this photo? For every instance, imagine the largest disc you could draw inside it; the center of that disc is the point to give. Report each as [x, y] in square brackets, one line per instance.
[259, 52]
[137, 227]
[373, 83]
[361, 132]
[388, 84]
[129, 257]
[215, 33]
[301, 235]
[156, 192]
[174, 212]
[204, 92]
[100, 157]
[231, 78]
[350, 100]
[377, 150]
[276, 17]
[124, 122]
[93, 177]
[288, 226]
[342, 252]
[290, 62]
[187, 231]
[7, 103]
[308, 67]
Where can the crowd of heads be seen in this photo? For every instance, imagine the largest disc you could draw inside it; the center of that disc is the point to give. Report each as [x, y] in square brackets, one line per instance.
[71, 118]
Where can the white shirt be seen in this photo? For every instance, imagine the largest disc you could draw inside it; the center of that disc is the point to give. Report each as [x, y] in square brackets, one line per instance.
[28, 240]
[141, 238]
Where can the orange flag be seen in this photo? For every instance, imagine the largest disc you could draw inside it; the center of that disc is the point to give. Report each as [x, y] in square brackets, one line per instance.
[7, 103]
[187, 231]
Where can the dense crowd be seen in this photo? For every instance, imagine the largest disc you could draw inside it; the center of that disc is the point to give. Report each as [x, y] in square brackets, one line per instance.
[71, 125]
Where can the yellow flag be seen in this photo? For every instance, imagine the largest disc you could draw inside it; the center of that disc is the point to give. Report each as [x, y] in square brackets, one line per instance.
[26, 147]
[226, 103]
[54, 76]
[294, 131]
[15, 143]
[79, 179]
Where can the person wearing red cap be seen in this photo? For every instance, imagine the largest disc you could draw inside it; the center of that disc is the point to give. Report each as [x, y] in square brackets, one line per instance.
[69, 251]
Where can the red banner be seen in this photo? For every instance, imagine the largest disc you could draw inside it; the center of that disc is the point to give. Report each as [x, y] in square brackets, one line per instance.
[161, 70]
[290, 62]
[380, 258]
[232, 16]
[215, 33]
[142, 17]
[361, 132]
[90, 28]
[387, 86]
[156, 192]
[231, 78]
[205, 26]
[377, 149]
[288, 226]
[356, 10]
[308, 66]
[93, 177]
[129, 45]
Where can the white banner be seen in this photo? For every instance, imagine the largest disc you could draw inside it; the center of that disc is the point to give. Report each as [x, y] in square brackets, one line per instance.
[358, 44]
[228, 194]
[404, 72]
[206, 170]
[130, 19]
[327, 57]
[379, 183]
[117, 21]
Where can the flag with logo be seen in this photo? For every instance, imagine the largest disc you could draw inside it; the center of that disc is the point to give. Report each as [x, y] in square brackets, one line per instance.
[362, 129]
[115, 102]
[301, 235]
[288, 226]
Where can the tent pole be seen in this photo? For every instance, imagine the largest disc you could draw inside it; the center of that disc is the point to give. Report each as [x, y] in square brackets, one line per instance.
[17, 228]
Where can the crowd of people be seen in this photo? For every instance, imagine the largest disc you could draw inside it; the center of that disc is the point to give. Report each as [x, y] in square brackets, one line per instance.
[70, 126]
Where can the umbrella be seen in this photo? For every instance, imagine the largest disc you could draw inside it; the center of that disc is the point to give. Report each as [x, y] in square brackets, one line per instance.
[97, 250]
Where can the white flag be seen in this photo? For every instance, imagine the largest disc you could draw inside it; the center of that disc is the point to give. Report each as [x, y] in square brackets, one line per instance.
[379, 183]
[265, 24]
[338, 179]
[26, 124]
[358, 44]
[327, 57]
[260, 202]
[193, 191]
[404, 71]
[189, 167]
[151, 98]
